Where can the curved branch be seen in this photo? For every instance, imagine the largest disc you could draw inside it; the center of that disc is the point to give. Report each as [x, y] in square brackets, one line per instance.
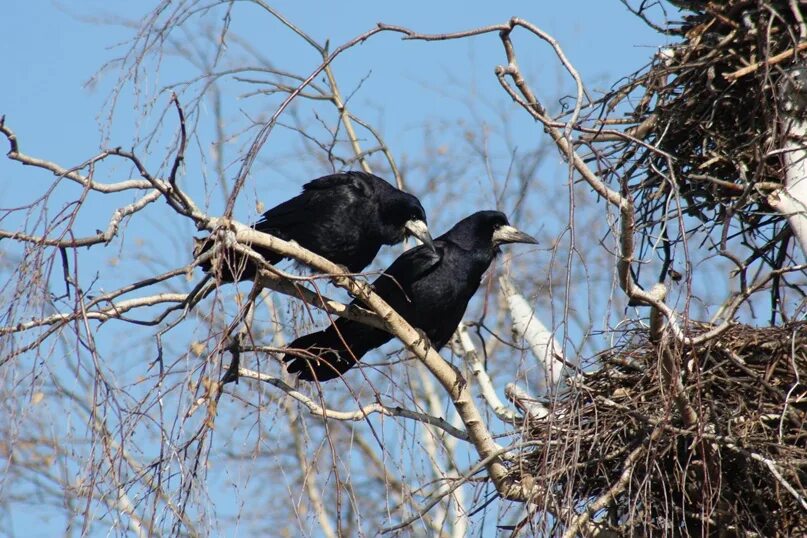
[502, 411]
[69, 173]
[360, 414]
[102, 237]
[111, 312]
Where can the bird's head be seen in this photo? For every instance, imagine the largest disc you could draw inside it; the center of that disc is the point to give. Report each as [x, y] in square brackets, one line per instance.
[487, 229]
[407, 216]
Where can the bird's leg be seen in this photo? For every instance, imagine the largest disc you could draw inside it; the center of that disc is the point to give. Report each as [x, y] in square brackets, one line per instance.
[461, 382]
[231, 374]
[349, 292]
[423, 339]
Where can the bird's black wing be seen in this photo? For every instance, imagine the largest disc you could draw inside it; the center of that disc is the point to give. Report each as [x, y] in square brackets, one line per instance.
[361, 182]
[395, 284]
[318, 195]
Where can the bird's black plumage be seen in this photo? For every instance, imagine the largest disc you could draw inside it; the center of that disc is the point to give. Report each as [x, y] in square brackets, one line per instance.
[344, 217]
[429, 288]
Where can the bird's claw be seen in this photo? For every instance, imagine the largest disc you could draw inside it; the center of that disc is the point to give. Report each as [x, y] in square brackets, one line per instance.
[461, 382]
[423, 339]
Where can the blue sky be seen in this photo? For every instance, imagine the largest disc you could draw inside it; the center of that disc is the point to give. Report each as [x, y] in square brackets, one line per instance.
[50, 50]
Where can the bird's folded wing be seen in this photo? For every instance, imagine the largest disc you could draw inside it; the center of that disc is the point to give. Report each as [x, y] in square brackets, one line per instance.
[319, 197]
[354, 180]
[410, 267]
[297, 211]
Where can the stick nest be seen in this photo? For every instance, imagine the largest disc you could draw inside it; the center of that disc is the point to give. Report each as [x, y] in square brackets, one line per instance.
[713, 104]
[715, 474]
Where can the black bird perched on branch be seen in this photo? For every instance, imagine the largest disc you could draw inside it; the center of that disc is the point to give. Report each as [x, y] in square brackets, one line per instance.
[344, 217]
[429, 288]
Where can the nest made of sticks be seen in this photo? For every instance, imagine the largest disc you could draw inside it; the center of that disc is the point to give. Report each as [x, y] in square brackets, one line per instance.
[741, 466]
[713, 103]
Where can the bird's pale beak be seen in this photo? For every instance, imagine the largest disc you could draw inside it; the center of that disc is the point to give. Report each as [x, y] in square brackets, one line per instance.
[419, 229]
[509, 234]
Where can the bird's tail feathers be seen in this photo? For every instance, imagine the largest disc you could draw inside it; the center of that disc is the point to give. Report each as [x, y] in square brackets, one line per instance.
[322, 355]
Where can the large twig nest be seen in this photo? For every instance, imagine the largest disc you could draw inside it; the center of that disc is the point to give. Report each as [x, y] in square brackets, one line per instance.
[713, 104]
[740, 467]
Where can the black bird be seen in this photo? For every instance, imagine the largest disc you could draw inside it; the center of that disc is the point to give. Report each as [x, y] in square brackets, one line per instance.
[429, 288]
[344, 217]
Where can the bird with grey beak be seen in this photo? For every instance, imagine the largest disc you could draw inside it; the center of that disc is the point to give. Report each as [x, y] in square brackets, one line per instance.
[345, 217]
[429, 287]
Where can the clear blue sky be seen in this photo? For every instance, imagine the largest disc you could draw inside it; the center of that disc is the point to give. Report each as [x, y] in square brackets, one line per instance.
[49, 50]
[48, 54]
